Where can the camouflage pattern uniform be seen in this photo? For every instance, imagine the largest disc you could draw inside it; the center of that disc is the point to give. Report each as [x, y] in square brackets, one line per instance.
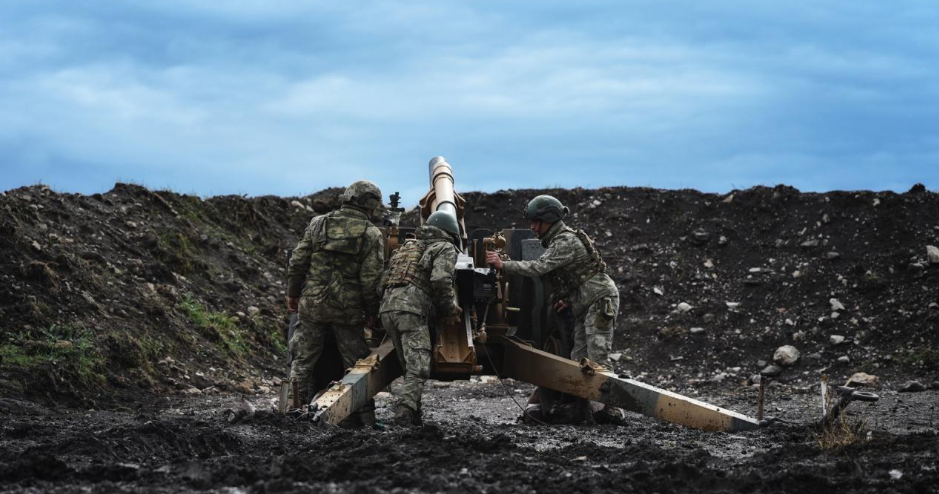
[418, 286]
[574, 268]
[341, 257]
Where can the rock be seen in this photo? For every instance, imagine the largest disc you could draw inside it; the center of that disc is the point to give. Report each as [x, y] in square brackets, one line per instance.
[729, 199]
[616, 356]
[797, 274]
[756, 270]
[36, 246]
[658, 291]
[62, 344]
[732, 305]
[708, 318]
[786, 355]
[864, 379]
[826, 219]
[761, 363]
[722, 241]
[771, 371]
[831, 256]
[709, 264]
[683, 307]
[808, 244]
[876, 202]
[700, 236]
[836, 304]
[836, 339]
[844, 359]
[932, 252]
[192, 391]
[912, 387]
[934, 305]
[131, 225]
[252, 311]
[297, 204]
[696, 330]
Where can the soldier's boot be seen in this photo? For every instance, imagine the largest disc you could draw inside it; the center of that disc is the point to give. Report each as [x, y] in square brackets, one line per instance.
[610, 415]
[404, 416]
[584, 411]
[367, 414]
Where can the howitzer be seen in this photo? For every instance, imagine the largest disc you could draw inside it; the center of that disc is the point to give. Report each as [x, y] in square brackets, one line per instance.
[507, 329]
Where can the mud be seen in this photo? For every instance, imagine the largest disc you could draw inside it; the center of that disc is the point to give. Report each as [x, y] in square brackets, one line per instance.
[470, 442]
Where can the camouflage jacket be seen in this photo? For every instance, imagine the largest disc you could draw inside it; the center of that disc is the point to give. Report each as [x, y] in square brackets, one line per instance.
[568, 265]
[341, 257]
[437, 266]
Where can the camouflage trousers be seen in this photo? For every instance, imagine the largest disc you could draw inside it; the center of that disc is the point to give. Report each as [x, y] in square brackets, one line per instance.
[307, 344]
[411, 338]
[593, 331]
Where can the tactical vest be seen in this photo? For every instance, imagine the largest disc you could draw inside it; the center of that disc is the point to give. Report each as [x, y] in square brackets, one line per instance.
[405, 267]
[335, 260]
[586, 266]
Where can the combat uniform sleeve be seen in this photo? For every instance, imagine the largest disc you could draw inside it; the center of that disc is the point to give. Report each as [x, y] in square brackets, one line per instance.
[441, 281]
[371, 272]
[300, 261]
[559, 254]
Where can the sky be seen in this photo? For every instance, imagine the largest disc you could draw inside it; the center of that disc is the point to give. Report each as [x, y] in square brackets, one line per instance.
[288, 97]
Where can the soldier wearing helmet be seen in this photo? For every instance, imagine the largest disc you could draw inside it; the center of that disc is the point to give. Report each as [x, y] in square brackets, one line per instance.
[573, 265]
[333, 281]
[419, 287]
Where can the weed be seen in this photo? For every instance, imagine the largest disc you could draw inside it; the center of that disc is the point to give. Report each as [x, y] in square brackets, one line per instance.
[217, 326]
[841, 432]
[65, 350]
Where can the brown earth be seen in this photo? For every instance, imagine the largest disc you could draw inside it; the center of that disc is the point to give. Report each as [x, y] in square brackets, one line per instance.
[147, 313]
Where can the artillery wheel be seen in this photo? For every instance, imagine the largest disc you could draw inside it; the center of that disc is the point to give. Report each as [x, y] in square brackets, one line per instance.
[550, 398]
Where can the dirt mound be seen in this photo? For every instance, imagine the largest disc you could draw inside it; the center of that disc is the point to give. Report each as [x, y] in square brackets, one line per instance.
[757, 269]
[138, 292]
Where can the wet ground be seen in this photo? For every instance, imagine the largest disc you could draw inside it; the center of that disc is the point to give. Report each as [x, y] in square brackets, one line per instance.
[471, 441]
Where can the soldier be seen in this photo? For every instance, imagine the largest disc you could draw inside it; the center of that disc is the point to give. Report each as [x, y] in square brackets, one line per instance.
[340, 257]
[418, 287]
[575, 269]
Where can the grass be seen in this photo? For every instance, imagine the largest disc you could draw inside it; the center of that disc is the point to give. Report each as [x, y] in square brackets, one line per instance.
[217, 326]
[67, 351]
[179, 251]
[841, 432]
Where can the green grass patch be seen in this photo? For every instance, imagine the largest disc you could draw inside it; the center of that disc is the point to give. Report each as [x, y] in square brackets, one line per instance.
[217, 326]
[67, 351]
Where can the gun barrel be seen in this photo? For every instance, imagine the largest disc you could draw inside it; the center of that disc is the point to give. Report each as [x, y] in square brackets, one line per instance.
[441, 181]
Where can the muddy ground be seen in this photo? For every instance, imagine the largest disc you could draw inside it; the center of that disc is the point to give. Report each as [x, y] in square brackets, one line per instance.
[131, 321]
[470, 442]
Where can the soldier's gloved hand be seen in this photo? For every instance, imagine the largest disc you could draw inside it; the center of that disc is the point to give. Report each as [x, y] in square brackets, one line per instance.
[561, 305]
[293, 304]
[454, 318]
[494, 259]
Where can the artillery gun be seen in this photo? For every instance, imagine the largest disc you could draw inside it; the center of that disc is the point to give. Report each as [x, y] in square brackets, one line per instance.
[507, 329]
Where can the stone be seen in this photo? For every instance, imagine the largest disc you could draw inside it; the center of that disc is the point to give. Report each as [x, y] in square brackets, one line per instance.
[658, 291]
[130, 224]
[932, 252]
[709, 264]
[36, 246]
[808, 244]
[786, 355]
[836, 305]
[826, 219]
[708, 318]
[62, 344]
[253, 310]
[912, 387]
[297, 204]
[876, 202]
[729, 199]
[700, 236]
[864, 379]
[831, 256]
[771, 371]
[684, 307]
[696, 330]
[722, 241]
[797, 274]
[616, 356]
[844, 359]
[193, 391]
[836, 339]
[732, 305]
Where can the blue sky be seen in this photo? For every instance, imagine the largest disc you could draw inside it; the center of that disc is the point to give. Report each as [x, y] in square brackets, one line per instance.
[286, 98]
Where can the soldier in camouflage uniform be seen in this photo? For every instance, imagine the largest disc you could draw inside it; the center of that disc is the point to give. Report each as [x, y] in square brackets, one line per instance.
[341, 258]
[577, 272]
[419, 287]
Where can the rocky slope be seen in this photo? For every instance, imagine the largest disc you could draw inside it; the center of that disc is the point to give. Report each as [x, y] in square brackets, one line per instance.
[135, 292]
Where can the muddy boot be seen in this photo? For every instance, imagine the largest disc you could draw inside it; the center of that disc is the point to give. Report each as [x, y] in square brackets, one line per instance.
[584, 411]
[367, 414]
[610, 415]
[405, 417]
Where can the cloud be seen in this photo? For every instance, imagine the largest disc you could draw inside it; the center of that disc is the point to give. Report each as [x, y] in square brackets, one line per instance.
[286, 97]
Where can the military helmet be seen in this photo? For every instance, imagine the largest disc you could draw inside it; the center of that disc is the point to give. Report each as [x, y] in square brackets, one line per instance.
[445, 222]
[362, 193]
[546, 208]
